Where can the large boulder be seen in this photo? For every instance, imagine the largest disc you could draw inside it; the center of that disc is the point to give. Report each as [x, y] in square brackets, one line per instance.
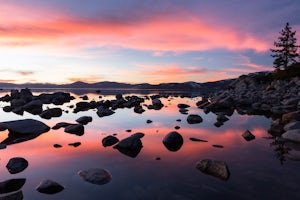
[293, 135]
[215, 168]
[131, 146]
[173, 141]
[95, 176]
[49, 187]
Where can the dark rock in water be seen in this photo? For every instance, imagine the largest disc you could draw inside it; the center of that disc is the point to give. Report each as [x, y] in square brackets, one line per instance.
[7, 109]
[82, 106]
[102, 111]
[84, 120]
[149, 121]
[51, 112]
[173, 141]
[215, 168]
[157, 158]
[197, 140]
[218, 146]
[248, 136]
[23, 130]
[18, 110]
[194, 119]
[183, 111]
[16, 165]
[222, 118]
[34, 107]
[75, 144]
[61, 125]
[13, 196]
[276, 128]
[57, 146]
[109, 141]
[11, 185]
[138, 109]
[177, 127]
[181, 105]
[84, 97]
[218, 124]
[131, 146]
[95, 176]
[77, 129]
[178, 120]
[157, 104]
[3, 146]
[292, 126]
[49, 187]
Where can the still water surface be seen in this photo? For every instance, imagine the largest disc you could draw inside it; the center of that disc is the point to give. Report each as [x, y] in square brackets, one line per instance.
[256, 171]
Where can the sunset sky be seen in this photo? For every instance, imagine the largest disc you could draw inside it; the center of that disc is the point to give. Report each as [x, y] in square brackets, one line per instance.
[137, 41]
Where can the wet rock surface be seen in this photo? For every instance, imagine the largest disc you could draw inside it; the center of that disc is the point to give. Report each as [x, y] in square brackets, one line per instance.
[214, 168]
[96, 176]
[16, 165]
[48, 186]
[131, 146]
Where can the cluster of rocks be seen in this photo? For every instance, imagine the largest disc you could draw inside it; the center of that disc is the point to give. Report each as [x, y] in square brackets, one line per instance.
[256, 93]
[24, 100]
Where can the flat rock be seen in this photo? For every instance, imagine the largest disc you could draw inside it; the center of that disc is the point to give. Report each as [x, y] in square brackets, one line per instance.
[49, 187]
[109, 141]
[84, 120]
[51, 112]
[77, 129]
[214, 168]
[16, 165]
[173, 141]
[248, 136]
[25, 126]
[75, 144]
[194, 119]
[292, 125]
[11, 185]
[293, 135]
[95, 176]
[197, 140]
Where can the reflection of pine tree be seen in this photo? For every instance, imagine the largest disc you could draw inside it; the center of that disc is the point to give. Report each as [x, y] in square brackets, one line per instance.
[281, 151]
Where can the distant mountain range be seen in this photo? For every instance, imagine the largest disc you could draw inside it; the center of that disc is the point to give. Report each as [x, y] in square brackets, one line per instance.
[187, 86]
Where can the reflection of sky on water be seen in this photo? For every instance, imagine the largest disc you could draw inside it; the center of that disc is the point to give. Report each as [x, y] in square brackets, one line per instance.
[255, 171]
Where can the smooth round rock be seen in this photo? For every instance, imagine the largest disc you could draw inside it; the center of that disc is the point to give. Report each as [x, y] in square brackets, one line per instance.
[16, 165]
[95, 176]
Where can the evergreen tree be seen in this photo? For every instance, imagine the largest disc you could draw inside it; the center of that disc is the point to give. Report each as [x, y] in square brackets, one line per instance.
[285, 52]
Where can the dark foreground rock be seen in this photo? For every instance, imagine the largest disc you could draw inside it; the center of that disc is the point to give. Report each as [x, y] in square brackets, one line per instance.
[95, 176]
[215, 168]
[16, 165]
[173, 141]
[131, 146]
[109, 141]
[11, 185]
[13, 196]
[22, 130]
[49, 187]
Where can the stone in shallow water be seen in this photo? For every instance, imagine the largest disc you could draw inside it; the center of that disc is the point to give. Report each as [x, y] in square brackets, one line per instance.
[11, 185]
[131, 146]
[16, 165]
[215, 168]
[197, 140]
[49, 187]
[84, 120]
[75, 144]
[95, 176]
[77, 129]
[194, 119]
[109, 141]
[248, 136]
[173, 141]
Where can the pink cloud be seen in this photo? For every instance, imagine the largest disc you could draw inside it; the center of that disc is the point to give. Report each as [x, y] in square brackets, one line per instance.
[158, 34]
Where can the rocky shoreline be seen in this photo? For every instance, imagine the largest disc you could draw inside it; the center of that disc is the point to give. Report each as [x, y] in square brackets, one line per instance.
[260, 94]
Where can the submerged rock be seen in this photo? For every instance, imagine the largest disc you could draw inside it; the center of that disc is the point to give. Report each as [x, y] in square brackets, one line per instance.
[173, 141]
[109, 141]
[11, 185]
[215, 168]
[248, 136]
[95, 176]
[49, 187]
[16, 165]
[131, 146]
[194, 119]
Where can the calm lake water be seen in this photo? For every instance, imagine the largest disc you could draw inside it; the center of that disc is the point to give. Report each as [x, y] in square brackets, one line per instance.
[255, 167]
